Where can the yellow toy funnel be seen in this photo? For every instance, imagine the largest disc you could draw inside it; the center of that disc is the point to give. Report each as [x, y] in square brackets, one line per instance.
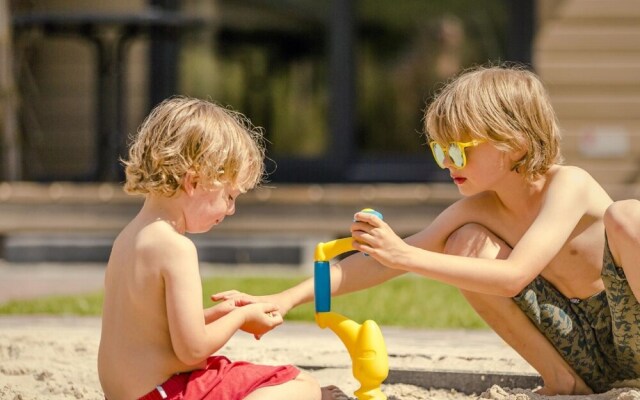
[365, 343]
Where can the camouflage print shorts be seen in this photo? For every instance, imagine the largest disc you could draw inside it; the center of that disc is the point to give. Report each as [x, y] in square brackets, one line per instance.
[598, 336]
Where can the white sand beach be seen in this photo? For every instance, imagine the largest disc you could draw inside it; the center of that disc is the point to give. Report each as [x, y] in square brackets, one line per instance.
[55, 359]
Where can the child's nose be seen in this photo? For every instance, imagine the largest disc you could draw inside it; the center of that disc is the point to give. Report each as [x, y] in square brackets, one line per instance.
[447, 162]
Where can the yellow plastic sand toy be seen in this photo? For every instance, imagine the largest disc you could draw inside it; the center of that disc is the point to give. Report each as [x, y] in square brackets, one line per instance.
[368, 352]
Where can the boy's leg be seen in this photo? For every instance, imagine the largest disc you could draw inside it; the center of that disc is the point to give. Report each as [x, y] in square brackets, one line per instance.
[622, 223]
[304, 387]
[505, 317]
[621, 274]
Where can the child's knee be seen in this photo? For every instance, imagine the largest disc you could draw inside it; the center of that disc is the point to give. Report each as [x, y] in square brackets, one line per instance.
[622, 219]
[475, 240]
[310, 383]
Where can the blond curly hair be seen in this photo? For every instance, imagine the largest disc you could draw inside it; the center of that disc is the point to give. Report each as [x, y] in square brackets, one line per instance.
[185, 134]
[507, 106]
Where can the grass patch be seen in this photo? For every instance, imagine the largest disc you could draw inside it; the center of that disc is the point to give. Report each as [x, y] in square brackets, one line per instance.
[83, 305]
[404, 301]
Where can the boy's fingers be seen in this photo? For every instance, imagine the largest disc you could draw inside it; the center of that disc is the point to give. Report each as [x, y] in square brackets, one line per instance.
[275, 315]
[360, 216]
[363, 248]
[369, 218]
[229, 304]
[270, 308]
[360, 227]
[244, 301]
[276, 319]
[362, 238]
[224, 295]
[241, 299]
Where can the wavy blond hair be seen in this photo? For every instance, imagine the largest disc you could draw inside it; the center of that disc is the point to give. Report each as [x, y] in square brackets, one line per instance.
[185, 134]
[504, 105]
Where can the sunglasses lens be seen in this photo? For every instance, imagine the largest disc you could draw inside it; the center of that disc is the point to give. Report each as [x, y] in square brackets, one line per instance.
[457, 155]
[438, 154]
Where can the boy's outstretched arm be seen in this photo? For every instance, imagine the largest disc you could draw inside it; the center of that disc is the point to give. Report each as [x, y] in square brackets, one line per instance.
[354, 273]
[560, 212]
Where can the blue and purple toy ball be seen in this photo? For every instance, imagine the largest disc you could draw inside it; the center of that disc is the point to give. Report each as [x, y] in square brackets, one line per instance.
[372, 211]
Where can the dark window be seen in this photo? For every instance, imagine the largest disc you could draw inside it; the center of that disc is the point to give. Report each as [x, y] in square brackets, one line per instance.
[340, 87]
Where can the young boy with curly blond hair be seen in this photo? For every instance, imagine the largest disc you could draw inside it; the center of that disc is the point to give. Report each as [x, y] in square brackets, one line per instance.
[191, 160]
[539, 249]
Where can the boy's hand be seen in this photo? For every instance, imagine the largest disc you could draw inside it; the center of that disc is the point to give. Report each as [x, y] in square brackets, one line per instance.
[260, 318]
[242, 299]
[374, 237]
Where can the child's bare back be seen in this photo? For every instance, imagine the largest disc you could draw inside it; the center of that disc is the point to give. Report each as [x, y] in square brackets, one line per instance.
[191, 160]
[134, 336]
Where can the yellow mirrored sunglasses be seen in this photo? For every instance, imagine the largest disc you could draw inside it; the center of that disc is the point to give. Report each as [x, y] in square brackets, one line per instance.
[454, 150]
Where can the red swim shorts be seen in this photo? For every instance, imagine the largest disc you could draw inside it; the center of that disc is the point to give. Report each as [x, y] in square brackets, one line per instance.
[222, 380]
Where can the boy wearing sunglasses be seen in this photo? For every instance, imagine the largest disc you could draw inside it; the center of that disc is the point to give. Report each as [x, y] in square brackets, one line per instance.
[539, 249]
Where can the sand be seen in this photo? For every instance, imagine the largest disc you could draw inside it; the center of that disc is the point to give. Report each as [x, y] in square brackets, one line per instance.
[55, 358]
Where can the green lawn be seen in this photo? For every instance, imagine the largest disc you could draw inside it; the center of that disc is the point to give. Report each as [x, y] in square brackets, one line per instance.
[404, 301]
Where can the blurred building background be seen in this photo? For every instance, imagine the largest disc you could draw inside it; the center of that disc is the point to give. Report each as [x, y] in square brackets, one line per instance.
[339, 87]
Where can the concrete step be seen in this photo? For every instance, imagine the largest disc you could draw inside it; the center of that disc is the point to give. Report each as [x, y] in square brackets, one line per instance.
[73, 223]
[316, 210]
[95, 247]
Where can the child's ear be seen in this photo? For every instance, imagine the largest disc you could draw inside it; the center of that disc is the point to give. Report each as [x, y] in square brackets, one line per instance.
[190, 182]
[518, 155]
[517, 159]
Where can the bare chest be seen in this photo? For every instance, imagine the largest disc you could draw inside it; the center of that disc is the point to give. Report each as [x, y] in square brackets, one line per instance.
[575, 270]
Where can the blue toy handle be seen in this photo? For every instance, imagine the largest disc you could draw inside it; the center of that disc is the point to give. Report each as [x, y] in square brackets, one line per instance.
[322, 286]
[322, 270]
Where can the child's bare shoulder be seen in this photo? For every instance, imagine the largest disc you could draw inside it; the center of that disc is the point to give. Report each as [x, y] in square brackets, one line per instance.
[569, 172]
[572, 178]
[160, 241]
[573, 185]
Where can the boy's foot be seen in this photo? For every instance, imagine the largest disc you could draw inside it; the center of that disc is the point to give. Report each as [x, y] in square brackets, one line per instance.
[333, 393]
[576, 387]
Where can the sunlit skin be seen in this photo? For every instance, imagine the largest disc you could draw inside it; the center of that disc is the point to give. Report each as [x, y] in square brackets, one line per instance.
[498, 198]
[494, 170]
[190, 159]
[153, 320]
[168, 320]
[206, 206]
[522, 216]
[551, 226]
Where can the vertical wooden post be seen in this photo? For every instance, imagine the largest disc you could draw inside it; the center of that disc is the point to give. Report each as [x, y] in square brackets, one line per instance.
[342, 105]
[10, 146]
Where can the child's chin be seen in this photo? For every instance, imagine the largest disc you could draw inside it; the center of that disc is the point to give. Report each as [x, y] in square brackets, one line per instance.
[466, 191]
[200, 229]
